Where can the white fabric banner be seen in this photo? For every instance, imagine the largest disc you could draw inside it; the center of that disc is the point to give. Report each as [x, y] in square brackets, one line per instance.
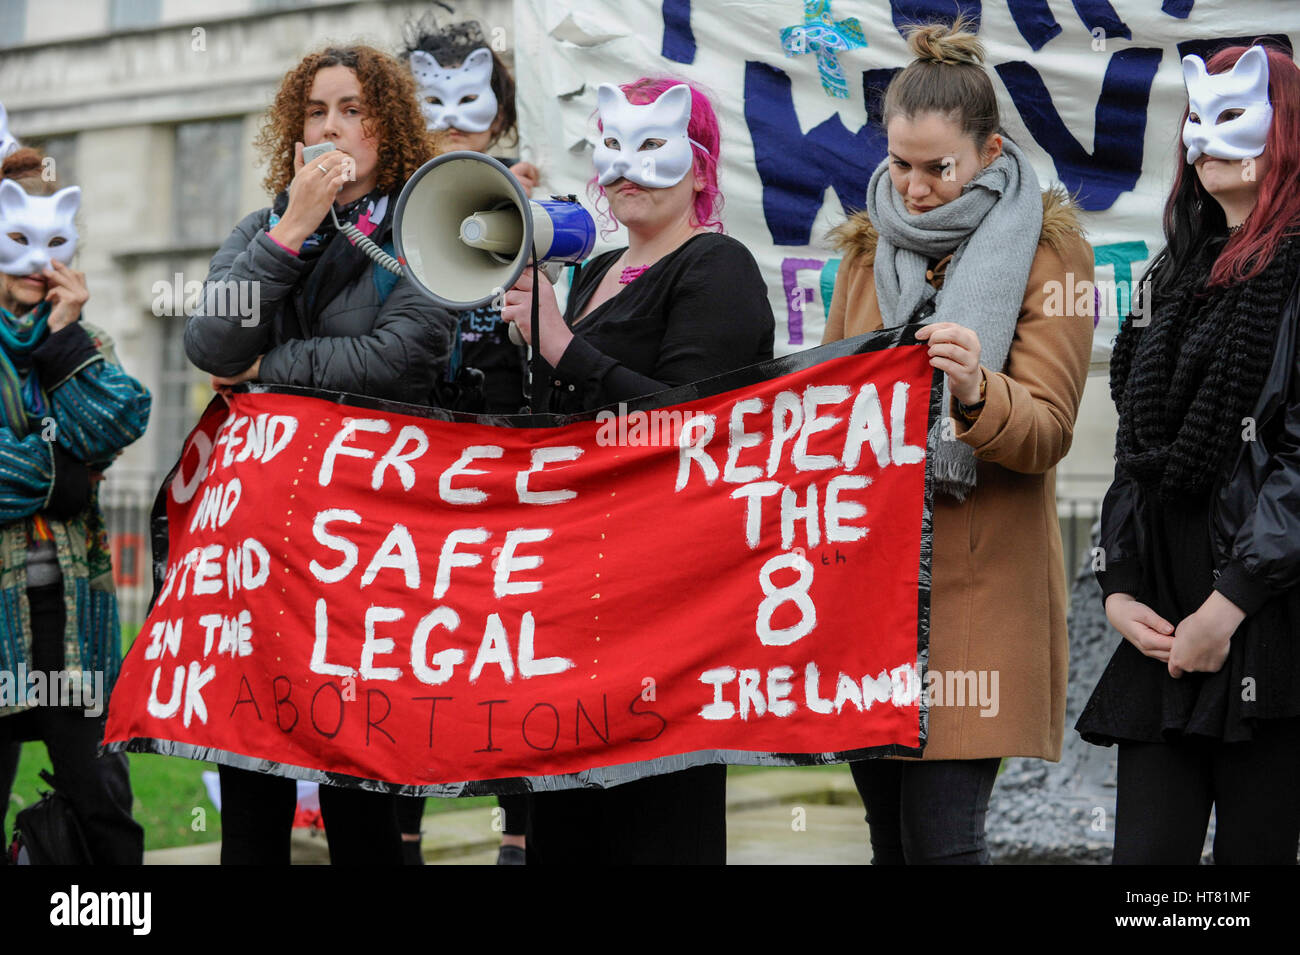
[1091, 89]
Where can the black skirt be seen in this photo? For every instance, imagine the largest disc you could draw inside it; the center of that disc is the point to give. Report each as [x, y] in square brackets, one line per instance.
[1136, 698]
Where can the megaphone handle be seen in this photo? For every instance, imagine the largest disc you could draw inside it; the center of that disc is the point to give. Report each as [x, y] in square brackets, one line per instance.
[534, 350]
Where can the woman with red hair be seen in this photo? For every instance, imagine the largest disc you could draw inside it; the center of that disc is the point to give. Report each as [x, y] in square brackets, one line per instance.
[1201, 527]
[681, 303]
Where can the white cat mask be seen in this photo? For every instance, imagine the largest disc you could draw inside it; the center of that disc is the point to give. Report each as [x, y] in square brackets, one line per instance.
[455, 91]
[1244, 87]
[626, 126]
[7, 143]
[46, 224]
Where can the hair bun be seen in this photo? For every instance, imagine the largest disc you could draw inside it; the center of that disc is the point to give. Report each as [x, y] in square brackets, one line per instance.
[941, 43]
[22, 164]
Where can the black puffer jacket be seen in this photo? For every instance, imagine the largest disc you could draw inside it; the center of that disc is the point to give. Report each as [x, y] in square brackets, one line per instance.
[395, 350]
[1254, 515]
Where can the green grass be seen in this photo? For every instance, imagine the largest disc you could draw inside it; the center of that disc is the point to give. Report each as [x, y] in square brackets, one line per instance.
[828, 768]
[129, 633]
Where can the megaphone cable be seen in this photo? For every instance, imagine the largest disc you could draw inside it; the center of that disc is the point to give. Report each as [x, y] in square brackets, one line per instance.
[363, 242]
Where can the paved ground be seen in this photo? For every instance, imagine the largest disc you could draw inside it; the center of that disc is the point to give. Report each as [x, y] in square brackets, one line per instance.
[775, 816]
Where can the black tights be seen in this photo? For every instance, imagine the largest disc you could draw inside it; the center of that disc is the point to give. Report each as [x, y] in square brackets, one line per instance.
[1165, 791]
[926, 812]
[257, 819]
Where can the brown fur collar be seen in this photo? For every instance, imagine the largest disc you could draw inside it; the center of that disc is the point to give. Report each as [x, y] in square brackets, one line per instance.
[1061, 222]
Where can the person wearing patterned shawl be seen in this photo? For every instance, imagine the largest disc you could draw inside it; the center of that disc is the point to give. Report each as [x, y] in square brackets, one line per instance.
[68, 409]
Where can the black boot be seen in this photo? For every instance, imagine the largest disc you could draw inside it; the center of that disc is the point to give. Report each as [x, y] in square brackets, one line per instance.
[510, 855]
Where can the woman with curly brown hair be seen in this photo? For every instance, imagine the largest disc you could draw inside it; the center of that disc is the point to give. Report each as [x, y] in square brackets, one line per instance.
[325, 317]
[310, 280]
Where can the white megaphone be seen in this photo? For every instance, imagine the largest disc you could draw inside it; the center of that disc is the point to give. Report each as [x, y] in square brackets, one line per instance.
[465, 231]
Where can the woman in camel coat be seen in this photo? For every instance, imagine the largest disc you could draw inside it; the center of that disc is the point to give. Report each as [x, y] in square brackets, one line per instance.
[997, 617]
[999, 589]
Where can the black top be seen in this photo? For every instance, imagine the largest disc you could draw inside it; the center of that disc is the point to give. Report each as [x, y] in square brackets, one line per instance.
[1136, 698]
[323, 318]
[485, 344]
[700, 311]
[1243, 540]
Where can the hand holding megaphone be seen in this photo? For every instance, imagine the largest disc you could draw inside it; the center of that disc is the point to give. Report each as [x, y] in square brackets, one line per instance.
[517, 310]
[552, 271]
[527, 174]
[316, 183]
[465, 229]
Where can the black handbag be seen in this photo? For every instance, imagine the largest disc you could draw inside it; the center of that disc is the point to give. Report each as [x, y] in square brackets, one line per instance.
[49, 832]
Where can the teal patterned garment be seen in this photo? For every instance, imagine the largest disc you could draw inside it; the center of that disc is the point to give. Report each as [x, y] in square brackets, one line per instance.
[20, 394]
[97, 410]
[823, 35]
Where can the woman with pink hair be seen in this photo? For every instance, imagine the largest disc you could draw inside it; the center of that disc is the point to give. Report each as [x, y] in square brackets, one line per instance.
[680, 303]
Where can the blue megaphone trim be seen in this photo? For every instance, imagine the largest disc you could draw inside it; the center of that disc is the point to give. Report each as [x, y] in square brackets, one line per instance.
[573, 230]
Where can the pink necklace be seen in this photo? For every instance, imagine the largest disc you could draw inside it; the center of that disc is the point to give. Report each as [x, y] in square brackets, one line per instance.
[631, 273]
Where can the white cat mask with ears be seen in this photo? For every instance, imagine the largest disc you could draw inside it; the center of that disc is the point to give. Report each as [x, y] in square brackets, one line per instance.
[7, 143]
[45, 223]
[625, 128]
[1209, 95]
[465, 100]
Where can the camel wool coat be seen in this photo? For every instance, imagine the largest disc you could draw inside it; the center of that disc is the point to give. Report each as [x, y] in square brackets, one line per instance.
[999, 592]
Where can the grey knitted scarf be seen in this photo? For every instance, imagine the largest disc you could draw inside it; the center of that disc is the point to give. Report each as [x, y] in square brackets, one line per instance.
[992, 230]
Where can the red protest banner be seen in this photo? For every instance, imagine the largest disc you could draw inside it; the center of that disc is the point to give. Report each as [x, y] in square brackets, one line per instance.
[359, 590]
